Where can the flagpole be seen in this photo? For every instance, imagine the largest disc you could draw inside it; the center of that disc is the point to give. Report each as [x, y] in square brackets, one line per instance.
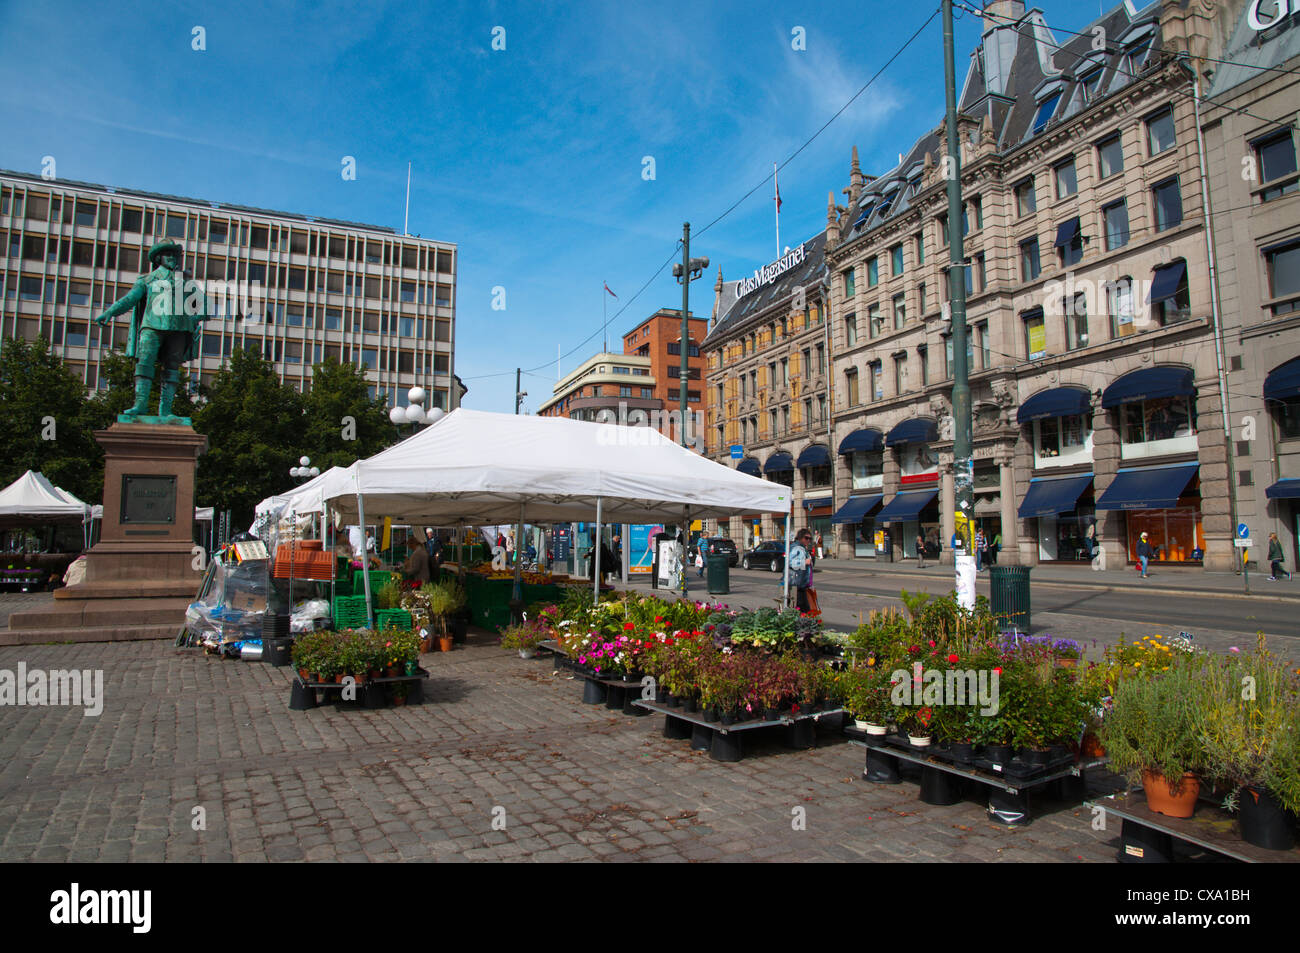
[776, 200]
[604, 308]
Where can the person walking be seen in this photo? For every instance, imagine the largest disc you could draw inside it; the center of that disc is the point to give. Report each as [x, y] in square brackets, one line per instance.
[995, 548]
[821, 553]
[920, 550]
[981, 549]
[1275, 558]
[1144, 553]
[801, 569]
[416, 567]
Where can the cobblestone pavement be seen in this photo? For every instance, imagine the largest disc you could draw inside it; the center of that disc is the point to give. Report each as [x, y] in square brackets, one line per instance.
[181, 731]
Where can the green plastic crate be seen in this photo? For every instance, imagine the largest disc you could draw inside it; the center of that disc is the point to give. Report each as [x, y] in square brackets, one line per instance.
[392, 619]
[349, 612]
[377, 579]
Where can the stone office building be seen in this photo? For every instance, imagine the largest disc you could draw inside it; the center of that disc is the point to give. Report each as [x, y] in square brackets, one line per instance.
[301, 289]
[1248, 58]
[767, 386]
[1095, 387]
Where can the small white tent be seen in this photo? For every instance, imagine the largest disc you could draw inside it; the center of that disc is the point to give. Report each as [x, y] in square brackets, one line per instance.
[475, 467]
[33, 499]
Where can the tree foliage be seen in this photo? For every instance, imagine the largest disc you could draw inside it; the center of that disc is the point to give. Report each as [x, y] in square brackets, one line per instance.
[339, 394]
[45, 423]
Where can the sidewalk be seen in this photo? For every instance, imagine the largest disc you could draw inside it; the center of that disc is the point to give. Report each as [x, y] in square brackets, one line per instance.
[1165, 579]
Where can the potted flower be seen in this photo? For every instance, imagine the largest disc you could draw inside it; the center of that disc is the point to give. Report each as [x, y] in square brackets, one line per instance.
[1248, 714]
[867, 691]
[443, 598]
[918, 722]
[524, 637]
[1151, 733]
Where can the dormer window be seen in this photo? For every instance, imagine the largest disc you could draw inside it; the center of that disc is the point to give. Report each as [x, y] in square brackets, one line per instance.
[1046, 109]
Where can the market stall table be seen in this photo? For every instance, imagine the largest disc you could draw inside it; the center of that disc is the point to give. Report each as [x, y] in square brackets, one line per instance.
[1147, 837]
[724, 741]
[303, 693]
[1008, 801]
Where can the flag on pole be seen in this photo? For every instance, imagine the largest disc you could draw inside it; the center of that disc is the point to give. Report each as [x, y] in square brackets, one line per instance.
[778, 189]
[607, 289]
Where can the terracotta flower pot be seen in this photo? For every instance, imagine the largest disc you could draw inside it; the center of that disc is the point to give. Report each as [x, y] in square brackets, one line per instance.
[304, 674]
[399, 700]
[393, 671]
[1092, 746]
[1163, 801]
[444, 643]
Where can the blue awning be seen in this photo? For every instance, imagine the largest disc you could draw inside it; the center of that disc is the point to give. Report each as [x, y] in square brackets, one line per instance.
[1165, 281]
[818, 501]
[1281, 490]
[906, 506]
[815, 456]
[1149, 384]
[778, 463]
[865, 440]
[1067, 232]
[856, 508]
[1147, 488]
[1052, 495]
[916, 430]
[1281, 383]
[1057, 402]
[751, 466]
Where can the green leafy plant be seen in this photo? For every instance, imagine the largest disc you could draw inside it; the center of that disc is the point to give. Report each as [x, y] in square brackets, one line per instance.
[1153, 724]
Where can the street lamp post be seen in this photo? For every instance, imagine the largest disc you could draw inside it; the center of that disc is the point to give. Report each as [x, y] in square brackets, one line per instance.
[685, 272]
[414, 413]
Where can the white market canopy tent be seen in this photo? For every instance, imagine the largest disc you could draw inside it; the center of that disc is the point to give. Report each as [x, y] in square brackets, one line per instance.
[476, 467]
[32, 499]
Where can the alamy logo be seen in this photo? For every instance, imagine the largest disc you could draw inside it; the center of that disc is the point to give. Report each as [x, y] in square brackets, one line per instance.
[633, 428]
[38, 688]
[77, 906]
[944, 687]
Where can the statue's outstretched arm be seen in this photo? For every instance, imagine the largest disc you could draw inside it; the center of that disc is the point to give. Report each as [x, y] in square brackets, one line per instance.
[123, 304]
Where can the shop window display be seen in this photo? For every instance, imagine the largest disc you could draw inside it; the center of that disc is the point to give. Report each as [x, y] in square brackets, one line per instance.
[1175, 534]
[1153, 427]
[918, 463]
[868, 470]
[1062, 440]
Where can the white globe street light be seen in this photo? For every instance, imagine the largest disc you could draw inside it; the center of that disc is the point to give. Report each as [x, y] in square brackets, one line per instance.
[414, 414]
[304, 461]
[397, 415]
[416, 395]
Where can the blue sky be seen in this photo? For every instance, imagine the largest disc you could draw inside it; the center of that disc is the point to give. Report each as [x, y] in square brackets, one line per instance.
[529, 158]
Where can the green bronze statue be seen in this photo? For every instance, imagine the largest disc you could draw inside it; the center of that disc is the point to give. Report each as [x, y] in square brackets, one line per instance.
[166, 328]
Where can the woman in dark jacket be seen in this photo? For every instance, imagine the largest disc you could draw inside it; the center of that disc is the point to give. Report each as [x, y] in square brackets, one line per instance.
[1275, 558]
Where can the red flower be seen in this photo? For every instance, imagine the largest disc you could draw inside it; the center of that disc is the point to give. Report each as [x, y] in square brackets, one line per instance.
[628, 626]
[998, 670]
[953, 658]
[932, 643]
[659, 618]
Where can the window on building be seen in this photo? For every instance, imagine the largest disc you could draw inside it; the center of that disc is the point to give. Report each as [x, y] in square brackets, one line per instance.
[1058, 437]
[873, 272]
[851, 329]
[947, 357]
[132, 218]
[943, 229]
[1075, 312]
[1276, 160]
[1135, 56]
[896, 260]
[1119, 302]
[1283, 267]
[851, 387]
[900, 310]
[1046, 109]
[850, 283]
[1067, 179]
[1160, 131]
[922, 355]
[1035, 334]
[1088, 84]
[785, 371]
[1110, 156]
[1114, 219]
[877, 380]
[1166, 418]
[982, 340]
[900, 374]
[1069, 243]
[920, 297]
[875, 320]
[1175, 306]
[1029, 263]
[1167, 201]
[920, 249]
[1026, 202]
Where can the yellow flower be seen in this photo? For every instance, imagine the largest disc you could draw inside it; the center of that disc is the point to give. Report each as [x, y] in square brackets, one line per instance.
[1137, 664]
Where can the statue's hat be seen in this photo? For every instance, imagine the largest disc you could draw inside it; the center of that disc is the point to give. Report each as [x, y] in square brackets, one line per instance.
[163, 247]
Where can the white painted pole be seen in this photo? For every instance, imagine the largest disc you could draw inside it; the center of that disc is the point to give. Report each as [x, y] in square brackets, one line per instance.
[595, 557]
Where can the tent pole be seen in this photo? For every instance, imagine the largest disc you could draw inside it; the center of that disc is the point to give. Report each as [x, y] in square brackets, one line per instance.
[517, 596]
[785, 601]
[365, 560]
[686, 546]
[595, 558]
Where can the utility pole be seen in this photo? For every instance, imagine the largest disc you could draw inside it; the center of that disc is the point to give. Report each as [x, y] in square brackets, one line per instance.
[686, 299]
[962, 464]
[519, 394]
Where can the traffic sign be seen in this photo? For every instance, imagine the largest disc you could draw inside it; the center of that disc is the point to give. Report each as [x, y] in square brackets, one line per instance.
[737, 451]
[1243, 530]
[1242, 543]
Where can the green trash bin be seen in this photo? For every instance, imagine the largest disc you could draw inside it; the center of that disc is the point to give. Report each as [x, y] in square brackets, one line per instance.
[718, 568]
[1009, 595]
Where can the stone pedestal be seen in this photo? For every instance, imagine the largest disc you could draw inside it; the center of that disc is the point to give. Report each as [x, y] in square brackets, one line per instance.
[142, 574]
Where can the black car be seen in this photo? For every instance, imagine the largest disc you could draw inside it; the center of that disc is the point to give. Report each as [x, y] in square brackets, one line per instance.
[769, 555]
[716, 545]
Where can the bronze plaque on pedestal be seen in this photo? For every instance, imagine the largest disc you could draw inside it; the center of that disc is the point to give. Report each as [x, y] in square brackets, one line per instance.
[148, 499]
